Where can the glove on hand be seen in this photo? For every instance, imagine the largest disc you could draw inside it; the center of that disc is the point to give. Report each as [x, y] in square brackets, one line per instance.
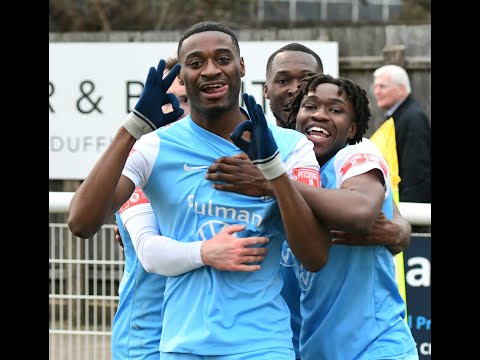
[262, 149]
[147, 115]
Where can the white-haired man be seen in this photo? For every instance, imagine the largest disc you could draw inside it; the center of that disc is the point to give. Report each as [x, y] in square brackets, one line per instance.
[392, 91]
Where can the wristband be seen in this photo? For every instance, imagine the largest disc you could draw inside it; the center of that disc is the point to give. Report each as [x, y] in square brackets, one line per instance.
[273, 168]
[136, 126]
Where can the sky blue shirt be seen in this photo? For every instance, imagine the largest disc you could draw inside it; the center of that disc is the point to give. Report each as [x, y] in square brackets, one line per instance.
[352, 308]
[208, 311]
[137, 324]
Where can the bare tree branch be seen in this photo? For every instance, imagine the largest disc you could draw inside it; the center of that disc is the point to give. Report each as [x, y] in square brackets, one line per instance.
[101, 15]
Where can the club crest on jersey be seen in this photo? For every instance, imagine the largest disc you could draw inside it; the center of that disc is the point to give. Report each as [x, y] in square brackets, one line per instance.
[211, 228]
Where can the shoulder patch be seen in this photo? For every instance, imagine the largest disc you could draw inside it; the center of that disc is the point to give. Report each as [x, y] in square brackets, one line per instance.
[360, 159]
[138, 197]
[307, 176]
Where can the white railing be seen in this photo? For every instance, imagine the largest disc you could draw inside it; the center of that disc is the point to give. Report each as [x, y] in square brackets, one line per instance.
[84, 275]
[414, 213]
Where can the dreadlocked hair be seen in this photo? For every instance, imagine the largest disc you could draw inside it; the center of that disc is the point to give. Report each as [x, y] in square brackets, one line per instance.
[355, 93]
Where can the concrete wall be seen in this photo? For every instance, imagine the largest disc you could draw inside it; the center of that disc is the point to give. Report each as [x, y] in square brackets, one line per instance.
[353, 40]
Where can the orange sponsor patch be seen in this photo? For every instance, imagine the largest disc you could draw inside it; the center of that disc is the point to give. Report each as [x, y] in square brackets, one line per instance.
[307, 176]
[138, 197]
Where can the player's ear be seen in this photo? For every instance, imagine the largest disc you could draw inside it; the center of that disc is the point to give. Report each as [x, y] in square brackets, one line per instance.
[242, 67]
[352, 131]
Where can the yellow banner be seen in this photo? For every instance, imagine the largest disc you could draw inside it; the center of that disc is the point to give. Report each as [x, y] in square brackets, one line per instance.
[385, 140]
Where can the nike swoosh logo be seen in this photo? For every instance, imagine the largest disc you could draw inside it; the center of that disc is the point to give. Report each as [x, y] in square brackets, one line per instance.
[193, 168]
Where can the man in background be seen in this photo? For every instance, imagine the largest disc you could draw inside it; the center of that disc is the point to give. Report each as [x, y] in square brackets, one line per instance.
[392, 91]
[286, 68]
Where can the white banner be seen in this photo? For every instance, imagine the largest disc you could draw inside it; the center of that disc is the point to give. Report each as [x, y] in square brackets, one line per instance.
[93, 86]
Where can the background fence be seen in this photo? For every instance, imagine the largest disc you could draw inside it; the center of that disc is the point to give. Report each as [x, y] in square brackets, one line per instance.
[84, 277]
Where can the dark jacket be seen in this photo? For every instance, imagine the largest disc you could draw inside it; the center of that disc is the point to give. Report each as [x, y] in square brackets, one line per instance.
[413, 138]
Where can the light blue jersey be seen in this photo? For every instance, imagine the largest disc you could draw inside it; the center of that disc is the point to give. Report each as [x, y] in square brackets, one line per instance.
[352, 309]
[137, 324]
[208, 311]
[291, 293]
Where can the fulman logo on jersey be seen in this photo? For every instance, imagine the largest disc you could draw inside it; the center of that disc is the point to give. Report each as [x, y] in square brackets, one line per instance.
[232, 215]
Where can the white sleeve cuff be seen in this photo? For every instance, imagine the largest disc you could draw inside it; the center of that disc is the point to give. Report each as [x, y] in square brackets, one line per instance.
[271, 169]
[196, 254]
[136, 126]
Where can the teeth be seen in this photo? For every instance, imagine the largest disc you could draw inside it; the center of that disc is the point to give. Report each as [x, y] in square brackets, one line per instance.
[214, 86]
[318, 129]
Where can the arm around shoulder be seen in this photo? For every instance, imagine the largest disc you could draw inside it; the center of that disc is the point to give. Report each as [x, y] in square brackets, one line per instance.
[401, 234]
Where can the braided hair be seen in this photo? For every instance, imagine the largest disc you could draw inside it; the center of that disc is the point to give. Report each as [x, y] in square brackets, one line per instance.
[355, 93]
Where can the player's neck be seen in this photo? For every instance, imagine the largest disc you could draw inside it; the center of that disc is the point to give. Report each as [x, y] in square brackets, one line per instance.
[220, 123]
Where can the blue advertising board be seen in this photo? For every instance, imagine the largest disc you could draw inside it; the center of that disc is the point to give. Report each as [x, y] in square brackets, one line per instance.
[418, 260]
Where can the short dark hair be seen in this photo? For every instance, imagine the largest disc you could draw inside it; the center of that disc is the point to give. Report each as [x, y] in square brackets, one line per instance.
[295, 47]
[208, 26]
[354, 92]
